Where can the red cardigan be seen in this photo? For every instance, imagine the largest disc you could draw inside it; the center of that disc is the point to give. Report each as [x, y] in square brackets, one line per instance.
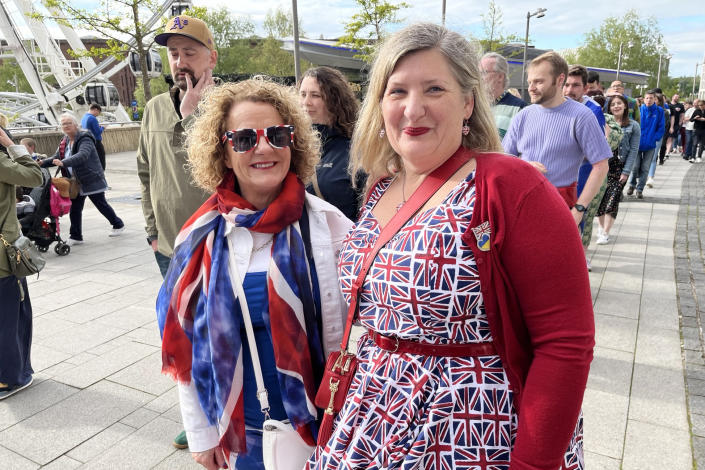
[537, 300]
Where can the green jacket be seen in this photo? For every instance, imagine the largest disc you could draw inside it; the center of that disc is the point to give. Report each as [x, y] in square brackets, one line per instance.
[168, 195]
[19, 169]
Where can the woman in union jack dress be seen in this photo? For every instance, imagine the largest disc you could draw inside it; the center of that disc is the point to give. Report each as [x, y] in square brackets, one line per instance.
[262, 236]
[492, 263]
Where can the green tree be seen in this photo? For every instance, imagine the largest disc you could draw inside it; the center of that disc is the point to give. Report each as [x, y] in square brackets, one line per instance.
[116, 20]
[233, 36]
[11, 74]
[494, 36]
[642, 42]
[279, 23]
[366, 27]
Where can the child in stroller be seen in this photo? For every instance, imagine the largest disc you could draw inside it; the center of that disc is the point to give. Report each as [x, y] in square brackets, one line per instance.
[42, 225]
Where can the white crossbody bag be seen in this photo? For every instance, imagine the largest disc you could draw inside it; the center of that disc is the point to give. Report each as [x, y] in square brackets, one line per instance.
[282, 447]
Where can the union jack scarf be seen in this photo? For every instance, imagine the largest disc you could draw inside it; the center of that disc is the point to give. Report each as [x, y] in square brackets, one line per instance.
[199, 314]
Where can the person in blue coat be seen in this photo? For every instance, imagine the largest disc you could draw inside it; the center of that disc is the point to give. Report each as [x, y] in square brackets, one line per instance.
[77, 157]
[652, 128]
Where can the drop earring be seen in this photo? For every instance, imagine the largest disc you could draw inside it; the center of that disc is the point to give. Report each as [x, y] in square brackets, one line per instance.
[466, 128]
[381, 133]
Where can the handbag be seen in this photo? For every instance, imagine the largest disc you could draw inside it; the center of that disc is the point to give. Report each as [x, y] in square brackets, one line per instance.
[341, 365]
[68, 187]
[58, 203]
[282, 446]
[22, 255]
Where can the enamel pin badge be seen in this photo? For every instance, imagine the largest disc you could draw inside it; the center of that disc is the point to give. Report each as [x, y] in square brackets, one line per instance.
[482, 234]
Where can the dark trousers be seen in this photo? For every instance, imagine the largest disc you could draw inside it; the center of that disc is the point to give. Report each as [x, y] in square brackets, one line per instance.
[101, 152]
[103, 207]
[15, 331]
[698, 139]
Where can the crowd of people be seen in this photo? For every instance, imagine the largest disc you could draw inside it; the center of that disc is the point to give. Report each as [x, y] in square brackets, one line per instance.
[280, 217]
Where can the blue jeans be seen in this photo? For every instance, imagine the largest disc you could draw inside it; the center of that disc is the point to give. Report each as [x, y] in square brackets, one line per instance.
[640, 171]
[652, 168]
[688, 143]
[163, 263]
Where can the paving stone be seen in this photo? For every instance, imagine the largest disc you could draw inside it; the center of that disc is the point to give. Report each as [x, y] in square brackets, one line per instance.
[699, 451]
[100, 442]
[659, 347]
[62, 463]
[145, 375]
[618, 303]
[615, 332]
[13, 461]
[179, 460]
[43, 357]
[129, 318]
[139, 418]
[32, 400]
[144, 448]
[103, 366]
[80, 338]
[165, 401]
[658, 396]
[604, 430]
[50, 433]
[601, 462]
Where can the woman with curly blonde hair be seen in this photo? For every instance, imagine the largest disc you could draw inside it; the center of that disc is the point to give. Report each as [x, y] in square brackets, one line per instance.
[328, 99]
[252, 290]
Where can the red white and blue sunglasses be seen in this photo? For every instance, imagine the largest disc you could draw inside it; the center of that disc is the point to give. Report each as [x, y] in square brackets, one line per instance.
[244, 140]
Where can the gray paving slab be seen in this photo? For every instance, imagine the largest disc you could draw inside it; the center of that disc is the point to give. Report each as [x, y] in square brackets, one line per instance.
[649, 446]
[14, 461]
[62, 463]
[144, 448]
[52, 432]
[100, 442]
[36, 398]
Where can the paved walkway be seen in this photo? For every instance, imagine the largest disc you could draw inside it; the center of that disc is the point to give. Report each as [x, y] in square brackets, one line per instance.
[98, 400]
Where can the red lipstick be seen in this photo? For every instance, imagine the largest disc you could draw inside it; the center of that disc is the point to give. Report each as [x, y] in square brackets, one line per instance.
[415, 130]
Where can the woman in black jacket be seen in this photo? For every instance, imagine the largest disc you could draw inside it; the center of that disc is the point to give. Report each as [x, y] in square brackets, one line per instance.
[330, 102]
[78, 157]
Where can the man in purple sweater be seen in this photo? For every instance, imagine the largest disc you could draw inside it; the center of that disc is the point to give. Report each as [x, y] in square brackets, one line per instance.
[554, 134]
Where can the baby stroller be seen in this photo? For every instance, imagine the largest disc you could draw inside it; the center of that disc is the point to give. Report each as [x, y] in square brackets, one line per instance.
[42, 226]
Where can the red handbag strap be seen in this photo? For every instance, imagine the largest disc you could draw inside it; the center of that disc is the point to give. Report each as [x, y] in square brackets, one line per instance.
[423, 193]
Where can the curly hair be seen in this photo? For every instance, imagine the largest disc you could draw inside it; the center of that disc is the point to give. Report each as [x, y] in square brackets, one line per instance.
[207, 154]
[375, 156]
[337, 95]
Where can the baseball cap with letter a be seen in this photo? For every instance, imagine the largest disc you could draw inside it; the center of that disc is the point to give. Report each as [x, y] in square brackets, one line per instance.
[188, 26]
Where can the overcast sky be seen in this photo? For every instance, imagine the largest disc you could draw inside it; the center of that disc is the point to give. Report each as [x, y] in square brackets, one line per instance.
[564, 26]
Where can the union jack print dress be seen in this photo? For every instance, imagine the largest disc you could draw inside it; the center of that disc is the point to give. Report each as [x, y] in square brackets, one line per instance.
[411, 411]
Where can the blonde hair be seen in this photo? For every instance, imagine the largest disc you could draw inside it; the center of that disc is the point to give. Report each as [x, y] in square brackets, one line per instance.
[374, 155]
[207, 153]
[3, 120]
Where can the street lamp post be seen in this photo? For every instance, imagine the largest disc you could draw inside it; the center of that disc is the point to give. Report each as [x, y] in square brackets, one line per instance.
[696, 74]
[619, 56]
[538, 14]
[658, 74]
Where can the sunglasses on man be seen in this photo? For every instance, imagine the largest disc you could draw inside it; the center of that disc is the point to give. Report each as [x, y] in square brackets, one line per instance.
[244, 140]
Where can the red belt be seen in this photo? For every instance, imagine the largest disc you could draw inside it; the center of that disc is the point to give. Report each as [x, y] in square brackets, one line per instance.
[397, 345]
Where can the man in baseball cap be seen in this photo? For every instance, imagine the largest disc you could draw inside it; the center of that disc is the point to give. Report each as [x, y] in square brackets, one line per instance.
[168, 196]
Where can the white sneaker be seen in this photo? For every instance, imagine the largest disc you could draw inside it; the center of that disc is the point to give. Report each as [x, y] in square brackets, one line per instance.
[72, 242]
[698, 160]
[116, 231]
[603, 239]
[650, 182]
[589, 266]
[600, 231]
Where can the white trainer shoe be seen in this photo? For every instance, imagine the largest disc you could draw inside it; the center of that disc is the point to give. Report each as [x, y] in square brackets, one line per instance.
[650, 182]
[72, 242]
[603, 239]
[698, 160]
[116, 231]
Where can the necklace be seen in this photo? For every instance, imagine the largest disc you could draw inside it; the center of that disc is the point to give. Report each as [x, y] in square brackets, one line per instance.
[262, 246]
[403, 196]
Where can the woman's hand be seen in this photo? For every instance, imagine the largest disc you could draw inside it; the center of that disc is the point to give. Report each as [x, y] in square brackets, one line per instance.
[212, 459]
[623, 178]
[4, 139]
[539, 166]
[57, 162]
